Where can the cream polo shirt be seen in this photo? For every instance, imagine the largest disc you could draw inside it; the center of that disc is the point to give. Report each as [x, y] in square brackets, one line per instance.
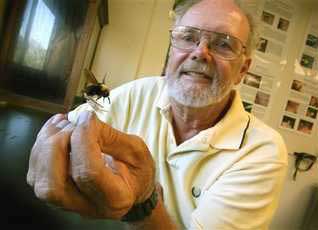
[226, 177]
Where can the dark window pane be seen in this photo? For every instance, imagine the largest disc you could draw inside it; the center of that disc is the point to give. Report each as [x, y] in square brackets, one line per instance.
[43, 50]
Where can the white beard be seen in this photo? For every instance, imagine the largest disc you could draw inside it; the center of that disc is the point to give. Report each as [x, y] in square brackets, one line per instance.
[194, 95]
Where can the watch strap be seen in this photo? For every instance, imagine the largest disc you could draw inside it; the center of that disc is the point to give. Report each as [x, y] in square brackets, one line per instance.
[140, 211]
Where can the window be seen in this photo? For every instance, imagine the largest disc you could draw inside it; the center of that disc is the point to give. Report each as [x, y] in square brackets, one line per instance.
[34, 35]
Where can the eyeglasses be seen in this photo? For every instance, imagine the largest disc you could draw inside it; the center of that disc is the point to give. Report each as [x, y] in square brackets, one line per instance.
[223, 45]
[303, 162]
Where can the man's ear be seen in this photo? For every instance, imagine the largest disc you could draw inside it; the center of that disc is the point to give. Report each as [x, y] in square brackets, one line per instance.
[244, 69]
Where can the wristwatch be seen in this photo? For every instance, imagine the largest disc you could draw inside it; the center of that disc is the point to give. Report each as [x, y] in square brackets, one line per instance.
[140, 211]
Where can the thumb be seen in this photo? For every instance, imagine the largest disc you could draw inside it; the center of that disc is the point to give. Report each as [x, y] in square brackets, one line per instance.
[127, 148]
[122, 146]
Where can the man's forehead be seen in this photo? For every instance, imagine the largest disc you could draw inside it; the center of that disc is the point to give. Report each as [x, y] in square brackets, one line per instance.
[217, 15]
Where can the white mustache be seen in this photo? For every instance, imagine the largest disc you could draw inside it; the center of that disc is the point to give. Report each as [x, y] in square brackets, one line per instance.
[197, 67]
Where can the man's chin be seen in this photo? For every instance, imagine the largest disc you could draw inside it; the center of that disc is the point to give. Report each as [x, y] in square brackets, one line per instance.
[191, 100]
[183, 91]
[196, 98]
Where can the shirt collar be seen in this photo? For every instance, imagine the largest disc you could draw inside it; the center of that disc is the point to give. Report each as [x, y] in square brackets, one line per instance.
[162, 101]
[228, 133]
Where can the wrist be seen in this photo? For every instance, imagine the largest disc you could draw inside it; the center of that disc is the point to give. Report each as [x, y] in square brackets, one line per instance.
[142, 210]
[159, 219]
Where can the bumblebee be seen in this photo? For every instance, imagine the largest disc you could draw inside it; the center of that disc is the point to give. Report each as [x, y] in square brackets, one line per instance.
[95, 90]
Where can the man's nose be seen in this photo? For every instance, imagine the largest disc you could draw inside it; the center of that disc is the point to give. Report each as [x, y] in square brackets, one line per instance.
[201, 53]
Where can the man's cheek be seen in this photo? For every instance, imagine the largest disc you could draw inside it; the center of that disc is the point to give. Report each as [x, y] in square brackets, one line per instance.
[176, 58]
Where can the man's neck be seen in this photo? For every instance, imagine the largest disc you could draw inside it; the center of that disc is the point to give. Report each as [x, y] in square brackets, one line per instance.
[189, 121]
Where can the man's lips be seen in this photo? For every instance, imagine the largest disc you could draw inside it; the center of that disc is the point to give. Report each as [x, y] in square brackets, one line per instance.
[196, 74]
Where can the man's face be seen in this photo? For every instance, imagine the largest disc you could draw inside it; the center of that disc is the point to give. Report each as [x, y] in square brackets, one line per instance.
[198, 78]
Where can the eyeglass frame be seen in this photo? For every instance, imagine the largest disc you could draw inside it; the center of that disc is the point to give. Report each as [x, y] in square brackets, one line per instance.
[243, 49]
[299, 157]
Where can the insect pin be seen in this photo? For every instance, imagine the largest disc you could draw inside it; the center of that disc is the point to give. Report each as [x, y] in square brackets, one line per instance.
[95, 90]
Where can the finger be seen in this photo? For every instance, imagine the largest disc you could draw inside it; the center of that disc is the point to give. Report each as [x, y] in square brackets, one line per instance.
[53, 183]
[101, 184]
[133, 151]
[54, 119]
[53, 125]
[62, 124]
[118, 144]
[68, 129]
[46, 129]
[115, 184]
[74, 201]
[51, 168]
[84, 117]
[84, 145]
[106, 188]
[32, 167]
[84, 141]
[124, 147]
[91, 137]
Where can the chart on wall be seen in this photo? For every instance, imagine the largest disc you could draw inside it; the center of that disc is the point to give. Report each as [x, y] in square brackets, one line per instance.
[301, 107]
[270, 58]
[276, 21]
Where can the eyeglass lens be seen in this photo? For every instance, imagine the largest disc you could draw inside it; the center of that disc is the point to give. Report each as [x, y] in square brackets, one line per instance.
[189, 38]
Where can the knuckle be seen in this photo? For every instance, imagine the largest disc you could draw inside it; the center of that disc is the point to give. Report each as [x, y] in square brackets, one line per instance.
[82, 128]
[140, 149]
[56, 139]
[34, 149]
[116, 215]
[30, 178]
[121, 205]
[116, 210]
[52, 140]
[91, 115]
[83, 176]
[138, 143]
[44, 192]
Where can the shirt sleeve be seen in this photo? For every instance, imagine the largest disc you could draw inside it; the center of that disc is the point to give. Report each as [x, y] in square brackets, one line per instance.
[245, 196]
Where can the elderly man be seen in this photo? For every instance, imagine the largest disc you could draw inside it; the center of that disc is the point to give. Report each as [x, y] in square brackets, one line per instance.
[172, 152]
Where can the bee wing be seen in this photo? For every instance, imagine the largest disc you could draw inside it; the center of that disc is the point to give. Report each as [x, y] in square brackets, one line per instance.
[90, 76]
[105, 77]
[95, 104]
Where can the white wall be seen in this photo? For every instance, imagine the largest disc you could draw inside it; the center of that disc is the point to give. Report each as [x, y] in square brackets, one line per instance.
[157, 42]
[135, 42]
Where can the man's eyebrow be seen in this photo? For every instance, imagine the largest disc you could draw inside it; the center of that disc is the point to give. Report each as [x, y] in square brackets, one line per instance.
[222, 29]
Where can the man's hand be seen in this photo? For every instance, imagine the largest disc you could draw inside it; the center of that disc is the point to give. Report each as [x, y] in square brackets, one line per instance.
[48, 172]
[69, 169]
[113, 181]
